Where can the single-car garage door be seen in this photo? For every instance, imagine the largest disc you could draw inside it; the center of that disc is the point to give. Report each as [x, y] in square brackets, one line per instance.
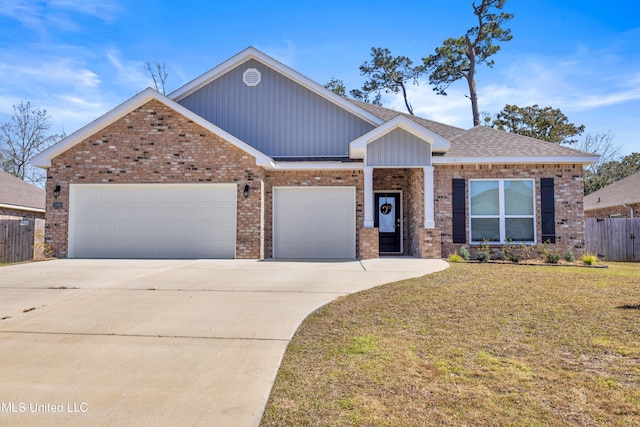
[314, 222]
[152, 220]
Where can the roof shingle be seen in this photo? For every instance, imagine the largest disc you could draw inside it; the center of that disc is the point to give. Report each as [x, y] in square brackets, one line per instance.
[626, 190]
[482, 141]
[16, 192]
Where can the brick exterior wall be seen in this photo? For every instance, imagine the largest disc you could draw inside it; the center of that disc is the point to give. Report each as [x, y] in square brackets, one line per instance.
[154, 144]
[7, 213]
[568, 187]
[429, 243]
[369, 243]
[615, 210]
[348, 178]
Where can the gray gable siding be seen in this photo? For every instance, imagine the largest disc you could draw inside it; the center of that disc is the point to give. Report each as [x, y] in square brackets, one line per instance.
[278, 116]
[399, 148]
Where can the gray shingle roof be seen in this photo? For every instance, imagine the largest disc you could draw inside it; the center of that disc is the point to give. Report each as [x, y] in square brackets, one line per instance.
[626, 190]
[387, 114]
[482, 141]
[14, 191]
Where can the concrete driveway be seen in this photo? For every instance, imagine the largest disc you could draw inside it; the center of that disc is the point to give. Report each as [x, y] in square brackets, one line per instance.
[160, 342]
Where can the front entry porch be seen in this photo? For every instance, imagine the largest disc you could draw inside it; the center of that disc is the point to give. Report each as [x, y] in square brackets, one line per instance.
[398, 217]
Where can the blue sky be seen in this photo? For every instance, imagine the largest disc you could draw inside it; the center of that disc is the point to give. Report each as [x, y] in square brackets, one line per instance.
[80, 58]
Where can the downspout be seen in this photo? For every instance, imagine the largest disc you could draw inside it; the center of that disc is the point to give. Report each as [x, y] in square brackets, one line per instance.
[628, 207]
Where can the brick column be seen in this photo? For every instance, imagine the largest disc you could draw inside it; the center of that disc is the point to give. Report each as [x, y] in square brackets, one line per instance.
[369, 244]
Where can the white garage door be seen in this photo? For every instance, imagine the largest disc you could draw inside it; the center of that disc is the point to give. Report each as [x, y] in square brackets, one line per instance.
[318, 222]
[152, 220]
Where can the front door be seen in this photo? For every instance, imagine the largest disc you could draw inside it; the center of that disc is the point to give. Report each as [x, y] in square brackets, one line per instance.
[387, 219]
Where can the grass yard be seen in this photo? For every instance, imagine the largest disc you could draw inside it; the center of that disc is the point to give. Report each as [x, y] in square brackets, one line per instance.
[477, 344]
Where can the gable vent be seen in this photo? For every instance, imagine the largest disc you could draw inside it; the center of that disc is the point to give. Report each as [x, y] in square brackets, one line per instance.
[251, 77]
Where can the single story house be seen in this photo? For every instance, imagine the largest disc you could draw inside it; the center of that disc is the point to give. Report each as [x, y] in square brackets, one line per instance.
[254, 160]
[618, 200]
[19, 199]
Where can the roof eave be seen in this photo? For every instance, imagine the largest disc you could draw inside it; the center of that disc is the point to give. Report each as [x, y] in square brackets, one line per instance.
[611, 205]
[583, 160]
[21, 208]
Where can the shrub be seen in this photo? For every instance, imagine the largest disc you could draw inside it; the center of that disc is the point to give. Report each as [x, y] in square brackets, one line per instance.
[552, 257]
[454, 257]
[569, 256]
[549, 256]
[464, 253]
[589, 259]
[516, 253]
[483, 254]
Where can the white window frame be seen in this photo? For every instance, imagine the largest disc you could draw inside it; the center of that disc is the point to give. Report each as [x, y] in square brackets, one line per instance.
[502, 216]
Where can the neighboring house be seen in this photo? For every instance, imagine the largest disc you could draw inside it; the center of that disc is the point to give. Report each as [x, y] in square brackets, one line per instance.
[254, 160]
[19, 199]
[618, 200]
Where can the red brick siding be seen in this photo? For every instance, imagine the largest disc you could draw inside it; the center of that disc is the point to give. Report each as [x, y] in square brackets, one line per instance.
[154, 144]
[569, 210]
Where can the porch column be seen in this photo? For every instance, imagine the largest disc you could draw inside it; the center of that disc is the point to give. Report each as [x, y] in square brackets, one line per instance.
[429, 221]
[368, 197]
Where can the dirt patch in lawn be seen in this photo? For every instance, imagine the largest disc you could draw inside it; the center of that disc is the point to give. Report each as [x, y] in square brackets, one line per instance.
[477, 344]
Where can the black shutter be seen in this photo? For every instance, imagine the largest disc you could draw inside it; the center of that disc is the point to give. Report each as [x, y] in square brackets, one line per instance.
[547, 209]
[459, 211]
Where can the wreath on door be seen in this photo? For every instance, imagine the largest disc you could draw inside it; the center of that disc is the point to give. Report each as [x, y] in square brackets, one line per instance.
[386, 207]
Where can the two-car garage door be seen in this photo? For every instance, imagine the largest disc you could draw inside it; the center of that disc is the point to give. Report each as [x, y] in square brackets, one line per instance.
[152, 220]
[314, 222]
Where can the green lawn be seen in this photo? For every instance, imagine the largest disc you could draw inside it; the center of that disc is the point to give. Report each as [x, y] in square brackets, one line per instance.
[477, 344]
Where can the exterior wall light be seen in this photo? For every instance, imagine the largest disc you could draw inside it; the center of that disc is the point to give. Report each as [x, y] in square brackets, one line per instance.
[246, 191]
[56, 191]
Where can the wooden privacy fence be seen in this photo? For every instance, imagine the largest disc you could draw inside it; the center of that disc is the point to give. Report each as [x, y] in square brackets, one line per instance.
[615, 239]
[17, 239]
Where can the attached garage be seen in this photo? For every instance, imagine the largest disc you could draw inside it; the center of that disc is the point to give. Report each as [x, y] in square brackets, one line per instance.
[314, 222]
[152, 220]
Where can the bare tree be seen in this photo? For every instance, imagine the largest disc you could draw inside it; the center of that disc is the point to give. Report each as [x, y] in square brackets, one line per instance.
[602, 144]
[159, 75]
[22, 137]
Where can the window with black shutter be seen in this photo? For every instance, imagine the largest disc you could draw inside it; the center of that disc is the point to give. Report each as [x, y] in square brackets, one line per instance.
[547, 210]
[459, 211]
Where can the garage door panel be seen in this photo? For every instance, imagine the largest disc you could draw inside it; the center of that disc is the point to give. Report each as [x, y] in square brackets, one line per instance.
[314, 222]
[152, 220]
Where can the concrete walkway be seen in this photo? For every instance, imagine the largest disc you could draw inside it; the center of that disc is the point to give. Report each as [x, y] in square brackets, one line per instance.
[160, 342]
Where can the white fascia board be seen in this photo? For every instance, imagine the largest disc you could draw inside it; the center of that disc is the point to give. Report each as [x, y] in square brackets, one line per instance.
[291, 166]
[21, 208]
[583, 160]
[43, 159]
[253, 53]
[611, 205]
[358, 147]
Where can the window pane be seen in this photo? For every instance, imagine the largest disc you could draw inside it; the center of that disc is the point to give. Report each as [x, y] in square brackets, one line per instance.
[485, 228]
[484, 197]
[518, 197]
[519, 229]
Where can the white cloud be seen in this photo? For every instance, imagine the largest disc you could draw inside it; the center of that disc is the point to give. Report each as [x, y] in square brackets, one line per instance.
[43, 16]
[50, 71]
[129, 73]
